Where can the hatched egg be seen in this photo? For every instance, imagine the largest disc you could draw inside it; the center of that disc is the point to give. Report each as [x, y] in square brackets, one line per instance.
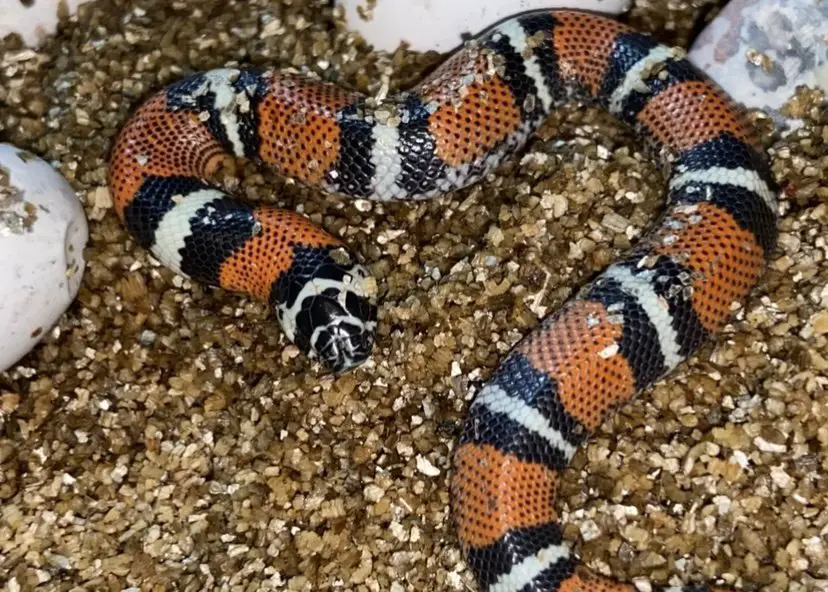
[761, 52]
[43, 232]
[34, 21]
[441, 26]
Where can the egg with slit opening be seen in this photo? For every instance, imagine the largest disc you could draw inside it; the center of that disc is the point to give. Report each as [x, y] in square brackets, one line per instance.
[43, 231]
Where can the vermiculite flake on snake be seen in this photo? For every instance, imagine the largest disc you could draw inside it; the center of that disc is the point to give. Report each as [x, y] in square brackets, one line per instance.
[636, 321]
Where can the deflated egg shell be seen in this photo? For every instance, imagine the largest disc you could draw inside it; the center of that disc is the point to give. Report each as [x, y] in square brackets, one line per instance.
[43, 232]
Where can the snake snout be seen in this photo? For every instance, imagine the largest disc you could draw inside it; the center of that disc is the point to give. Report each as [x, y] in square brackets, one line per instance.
[342, 329]
[343, 345]
[333, 318]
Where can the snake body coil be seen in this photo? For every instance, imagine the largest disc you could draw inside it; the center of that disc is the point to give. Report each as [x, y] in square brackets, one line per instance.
[636, 321]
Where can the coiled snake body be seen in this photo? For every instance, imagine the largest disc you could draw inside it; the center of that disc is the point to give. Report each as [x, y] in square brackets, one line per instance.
[636, 321]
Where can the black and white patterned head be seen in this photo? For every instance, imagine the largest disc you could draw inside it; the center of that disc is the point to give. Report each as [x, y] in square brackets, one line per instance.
[327, 307]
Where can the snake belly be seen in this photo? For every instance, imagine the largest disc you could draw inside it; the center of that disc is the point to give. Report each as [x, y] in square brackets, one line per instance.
[632, 324]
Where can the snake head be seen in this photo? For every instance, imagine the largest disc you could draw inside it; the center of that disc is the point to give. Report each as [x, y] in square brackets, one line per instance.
[326, 305]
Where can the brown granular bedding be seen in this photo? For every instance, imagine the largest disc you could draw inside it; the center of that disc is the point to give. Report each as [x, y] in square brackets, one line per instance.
[165, 437]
